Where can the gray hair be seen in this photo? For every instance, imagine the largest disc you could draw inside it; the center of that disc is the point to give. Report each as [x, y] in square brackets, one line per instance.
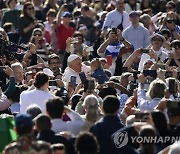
[16, 64]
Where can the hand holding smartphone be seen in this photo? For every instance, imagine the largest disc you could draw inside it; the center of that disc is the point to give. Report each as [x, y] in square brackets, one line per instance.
[72, 81]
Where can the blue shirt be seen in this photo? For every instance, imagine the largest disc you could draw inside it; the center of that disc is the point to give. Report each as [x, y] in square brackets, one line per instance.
[137, 36]
[113, 49]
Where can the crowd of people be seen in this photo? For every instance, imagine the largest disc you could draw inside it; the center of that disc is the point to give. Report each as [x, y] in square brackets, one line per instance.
[86, 76]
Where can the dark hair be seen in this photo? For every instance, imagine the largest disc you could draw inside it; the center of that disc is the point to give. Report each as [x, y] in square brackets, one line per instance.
[25, 130]
[86, 143]
[107, 91]
[85, 8]
[165, 31]
[76, 34]
[33, 110]
[40, 79]
[175, 43]
[55, 107]
[43, 122]
[172, 4]
[111, 104]
[58, 146]
[24, 12]
[15, 96]
[61, 93]
[9, 1]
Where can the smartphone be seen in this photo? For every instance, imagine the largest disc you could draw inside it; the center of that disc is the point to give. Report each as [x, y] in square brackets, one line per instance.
[172, 86]
[145, 50]
[74, 40]
[124, 69]
[72, 81]
[82, 77]
[151, 73]
[52, 83]
[141, 116]
[2, 68]
[168, 74]
[109, 60]
[101, 79]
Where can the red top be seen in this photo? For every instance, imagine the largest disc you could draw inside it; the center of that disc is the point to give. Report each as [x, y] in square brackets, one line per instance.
[62, 34]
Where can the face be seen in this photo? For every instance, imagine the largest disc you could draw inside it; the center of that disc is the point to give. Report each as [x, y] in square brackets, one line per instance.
[76, 65]
[148, 64]
[120, 5]
[30, 10]
[51, 17]
[134, 19]
[18, 73]
[54, 65]
[177, 49]
[59, 152]
[169, 8]
[66, 19]
[12, 4]
[157, 41]
[37, 34]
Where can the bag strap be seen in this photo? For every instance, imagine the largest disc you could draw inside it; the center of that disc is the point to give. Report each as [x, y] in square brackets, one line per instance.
[122, 19]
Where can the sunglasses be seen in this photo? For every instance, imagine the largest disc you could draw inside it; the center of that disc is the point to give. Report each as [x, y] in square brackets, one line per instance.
[157, 39]
[176, 47]
[170, 21]
[169, 7]
[37, 34]
[30, 8]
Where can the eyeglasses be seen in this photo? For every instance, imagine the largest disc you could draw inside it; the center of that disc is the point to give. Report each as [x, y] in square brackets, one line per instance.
[157, 39]
[37, 34]
[52, 15]
[170, 21]
[30, 8]
[169, 7]
[53, 63]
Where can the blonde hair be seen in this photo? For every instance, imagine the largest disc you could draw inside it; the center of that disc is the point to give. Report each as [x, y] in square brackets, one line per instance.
[156, 89]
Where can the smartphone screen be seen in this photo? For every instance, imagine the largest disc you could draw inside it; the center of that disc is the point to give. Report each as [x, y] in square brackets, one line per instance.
[73, 81]
[109, 60]
[82, 77]
[145, 50]
[52, 83]
[151, 73]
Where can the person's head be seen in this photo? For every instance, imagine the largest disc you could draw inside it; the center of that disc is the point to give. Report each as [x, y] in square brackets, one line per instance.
[33, 110]
[28, 77]
[107, 91]
[147, 131]
[86, 143]
[166, 33]
[41, 81]
[51, 15]
[55, 107]
[58, 148]
[157, 40]
[156, 89]
[12, 4]
[160, 121]
[176, 45]
[134, 17]
[120, 5]
[95, 64]
[124, 79]
[54, 63]
[74, 62]
[111, 105]
[59, 93]
[37, 35]
[146, 20]
[28, 9]
[42, 122]
[147, 64]
[18, 71]
[145, 4]
[74, 100]
[23, 124]
[66, 17]
[85, 10]
[170, 6]
[80, 39]
[103, 62]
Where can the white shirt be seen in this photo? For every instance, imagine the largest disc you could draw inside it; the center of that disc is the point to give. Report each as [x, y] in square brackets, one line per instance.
[144, 104]
[70, 72]
[34, 96]
[114, 18]
[74, 126]
[48, 26]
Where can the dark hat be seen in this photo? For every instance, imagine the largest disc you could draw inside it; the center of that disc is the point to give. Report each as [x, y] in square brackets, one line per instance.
[23, 120]
[134, 13]
[66, 14]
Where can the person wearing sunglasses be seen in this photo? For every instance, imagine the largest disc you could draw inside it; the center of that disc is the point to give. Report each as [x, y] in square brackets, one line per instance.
[28, 22]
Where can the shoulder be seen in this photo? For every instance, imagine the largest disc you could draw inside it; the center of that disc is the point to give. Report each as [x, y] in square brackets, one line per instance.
[112, 12]
[10, 147]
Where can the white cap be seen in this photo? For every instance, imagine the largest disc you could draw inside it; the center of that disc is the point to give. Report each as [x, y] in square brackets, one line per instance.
[72, 57]
[48, 72]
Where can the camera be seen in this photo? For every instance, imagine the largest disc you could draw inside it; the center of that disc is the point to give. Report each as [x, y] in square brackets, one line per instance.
[11, 50]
